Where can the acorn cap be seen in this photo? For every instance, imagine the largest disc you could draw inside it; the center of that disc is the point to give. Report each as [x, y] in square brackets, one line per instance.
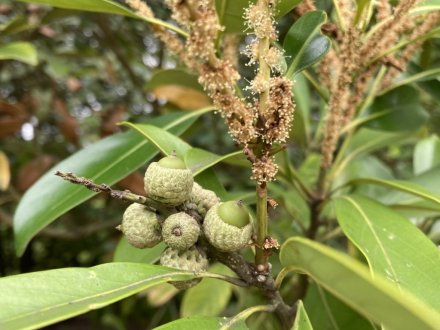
[201, 200]
[141, 226]
[193, 260]
[166, 182]
[180, 231]
[224, 236]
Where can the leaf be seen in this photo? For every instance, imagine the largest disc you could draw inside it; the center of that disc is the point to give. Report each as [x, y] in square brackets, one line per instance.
[417, 77]
[108, 161]
[302, 321]
[198, 160]
[20, 51]
[393, 246]
[166, 142]
[301, 124]
[405, 186]
[96, 6]
[5, 172]
[427, 6]
[426, 154]
[407, 112]
[351, 282]
[38, 299]
[304, 44]
[285, 6]
[128, 253]
[201, 323]
[178, 77]
[209, 298]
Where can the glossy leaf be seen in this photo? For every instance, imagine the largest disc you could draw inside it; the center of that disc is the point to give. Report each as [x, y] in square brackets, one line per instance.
[198, 160]
[128, 253]
[209, 298]
[304, 44]
[426, 154]
[301, 125]
[285, 6]
[302, 321]
[106, 161]
[393, 246]
[63, 293]
[20, 51]
[202, 323]
[352, 282]
[407, 112]
[405, 186]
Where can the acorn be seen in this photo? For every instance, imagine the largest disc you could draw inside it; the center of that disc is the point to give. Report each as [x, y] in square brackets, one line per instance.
[168, 181]
[201, 200]
[193, 260]
[141, 226]
[180, 231]
[227, 226]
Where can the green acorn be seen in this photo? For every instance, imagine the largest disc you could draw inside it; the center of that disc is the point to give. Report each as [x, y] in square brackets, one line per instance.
[201, 200]
[180, 231]
[193, 260]
[168, 181]
[141, 226]
[227, 226]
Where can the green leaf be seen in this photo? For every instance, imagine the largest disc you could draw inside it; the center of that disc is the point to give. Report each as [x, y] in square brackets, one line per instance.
[405, 186]
[209, 180]
[166, 142]
[20, 51]
[174, 77]
[427, 6]
[128, 253]
[327, 312]
[426, 154]
[301, 124]
[210, 297]
[302, 321]
[37, 299]
[199, 160]
[285, 6]
[407, 112]
[106, 161]
[393, 246]
[304, 44]
[417, 77]
[202, 323]
[96, 6]
[351, 281]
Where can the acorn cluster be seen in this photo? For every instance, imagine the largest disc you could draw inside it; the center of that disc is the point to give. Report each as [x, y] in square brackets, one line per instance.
[225, 225]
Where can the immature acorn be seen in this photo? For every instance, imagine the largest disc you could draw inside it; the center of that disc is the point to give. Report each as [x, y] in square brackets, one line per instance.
[168, 181]
[201, 200]
[227, 226]
[180, 231]
[193, 260]
[141, 226]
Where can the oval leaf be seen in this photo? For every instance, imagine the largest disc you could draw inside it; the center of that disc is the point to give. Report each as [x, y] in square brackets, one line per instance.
[37, 299]
[426, 154]
[351, 281]
[107, 161]
[128, 253]
[383, 236]
[199, 160]
[201, 323]
[304, 44]
[20, 51]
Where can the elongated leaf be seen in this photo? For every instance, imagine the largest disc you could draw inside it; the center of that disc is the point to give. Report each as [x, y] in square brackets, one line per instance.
[33, 300]
[202, 323]
[426, 154]
[427, 6]
[304, 44]
[405, 186]
[352, 282]
[301, 129]
[302, 321]
[209, 298]
[198, 160]
[128, 253]
[107, 161]
[383, 236]
[166, 142]
[174, 77]
[97, 6]
[19, 51]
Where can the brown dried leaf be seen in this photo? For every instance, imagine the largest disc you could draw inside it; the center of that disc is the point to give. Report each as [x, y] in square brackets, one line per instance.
[67, 124]
[5, 172]
[31, 171]
[12, 117]
[133, 182]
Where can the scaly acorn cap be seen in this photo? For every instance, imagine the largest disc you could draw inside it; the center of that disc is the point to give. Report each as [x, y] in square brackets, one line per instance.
[141, 226]
[193, 260]
[168, 181]
[227, 226]
[180, 231]
[201, 200]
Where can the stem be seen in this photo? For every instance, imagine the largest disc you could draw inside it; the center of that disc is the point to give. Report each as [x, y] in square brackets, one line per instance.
[261, 257]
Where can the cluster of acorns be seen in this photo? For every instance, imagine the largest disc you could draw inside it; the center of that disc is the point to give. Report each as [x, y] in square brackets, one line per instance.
[226, 226]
